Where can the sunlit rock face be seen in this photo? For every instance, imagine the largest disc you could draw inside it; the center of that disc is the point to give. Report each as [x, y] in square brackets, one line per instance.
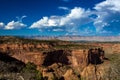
[64, 64]
[97, 72]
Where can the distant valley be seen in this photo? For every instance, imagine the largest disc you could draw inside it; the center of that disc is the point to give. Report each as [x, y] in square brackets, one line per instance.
[78, 38]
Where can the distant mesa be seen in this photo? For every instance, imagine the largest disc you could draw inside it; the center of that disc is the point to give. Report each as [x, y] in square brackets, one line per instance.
[78, 38]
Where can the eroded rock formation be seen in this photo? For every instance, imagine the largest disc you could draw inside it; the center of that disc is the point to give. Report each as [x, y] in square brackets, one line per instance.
[61, 64]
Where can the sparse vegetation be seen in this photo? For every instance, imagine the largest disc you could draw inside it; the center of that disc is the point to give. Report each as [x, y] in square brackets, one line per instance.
[114, 71]
[31, 68]
[54, 44]
[55, 66]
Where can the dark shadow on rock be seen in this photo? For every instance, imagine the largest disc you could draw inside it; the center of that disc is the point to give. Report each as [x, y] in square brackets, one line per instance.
[106, 58]
[62, 78]
[58, 56]
[96, 56]
[10, 64]
[95, 59]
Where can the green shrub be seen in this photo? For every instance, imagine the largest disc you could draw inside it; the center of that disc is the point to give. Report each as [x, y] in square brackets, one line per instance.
[31, 68]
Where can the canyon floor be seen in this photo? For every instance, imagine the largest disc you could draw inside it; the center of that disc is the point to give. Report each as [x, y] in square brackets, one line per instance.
[31, 59]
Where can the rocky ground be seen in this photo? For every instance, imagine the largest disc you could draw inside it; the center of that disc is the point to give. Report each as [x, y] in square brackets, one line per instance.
[26, 59]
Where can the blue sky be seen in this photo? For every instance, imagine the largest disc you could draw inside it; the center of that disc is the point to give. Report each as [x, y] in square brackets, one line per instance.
[60, 17]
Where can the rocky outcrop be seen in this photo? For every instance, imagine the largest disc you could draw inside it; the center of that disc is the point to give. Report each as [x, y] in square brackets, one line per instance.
[70, 75]
[96, 72]
[33, 57]
[59, 63]
[23, 47]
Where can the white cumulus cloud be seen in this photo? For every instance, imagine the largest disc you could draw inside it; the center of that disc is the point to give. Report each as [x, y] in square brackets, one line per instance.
[1, 25]
[45, 22]
[15, 25]
[75, 18]
[101, 16]
[112, 5]
[107, 11]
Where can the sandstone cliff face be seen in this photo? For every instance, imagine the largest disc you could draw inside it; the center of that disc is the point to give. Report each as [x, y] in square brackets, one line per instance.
[59, 61]
[69, 64]
[70, 75]
[23, 47]
[109, 48]
[61, 64]
[24, 53]
[96, 72]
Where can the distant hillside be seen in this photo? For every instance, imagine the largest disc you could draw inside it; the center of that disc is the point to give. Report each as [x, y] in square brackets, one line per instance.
[78, 38]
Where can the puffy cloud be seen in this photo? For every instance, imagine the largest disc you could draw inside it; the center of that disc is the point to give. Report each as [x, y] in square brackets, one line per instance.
[77, 12]
[46, 22]
[107, 11]
[15, 25]
[109, 5]
[2, 25]
[105, 18]
[75, 18]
